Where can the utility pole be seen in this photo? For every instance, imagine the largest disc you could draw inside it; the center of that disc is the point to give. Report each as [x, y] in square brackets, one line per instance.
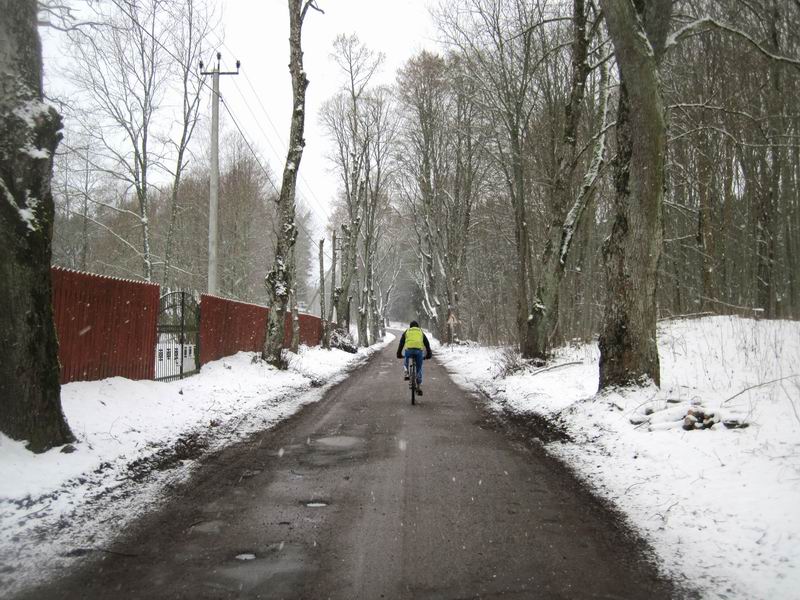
[213, 196]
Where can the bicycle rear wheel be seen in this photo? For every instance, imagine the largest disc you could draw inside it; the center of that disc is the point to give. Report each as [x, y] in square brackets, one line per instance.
[412, 380]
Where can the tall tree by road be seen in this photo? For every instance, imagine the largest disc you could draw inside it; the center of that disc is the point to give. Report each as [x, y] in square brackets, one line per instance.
[30, 393]
[280, 280]
[628, 348]
[343, 117]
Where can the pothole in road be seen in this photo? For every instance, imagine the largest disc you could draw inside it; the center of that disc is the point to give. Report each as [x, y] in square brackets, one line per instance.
[214, 526]
[338, 441]
[277, 566]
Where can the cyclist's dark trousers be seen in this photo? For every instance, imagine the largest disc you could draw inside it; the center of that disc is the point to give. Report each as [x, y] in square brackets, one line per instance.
[417, 355]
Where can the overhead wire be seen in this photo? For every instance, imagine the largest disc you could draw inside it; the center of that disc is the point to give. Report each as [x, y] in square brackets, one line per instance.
[324, 214]
[263, 168]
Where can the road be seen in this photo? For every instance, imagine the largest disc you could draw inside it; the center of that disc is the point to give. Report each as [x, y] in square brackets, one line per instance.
[364, 496]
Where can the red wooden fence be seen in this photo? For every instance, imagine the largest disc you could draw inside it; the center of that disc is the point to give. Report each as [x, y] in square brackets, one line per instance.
[106, 327]
[228, 327]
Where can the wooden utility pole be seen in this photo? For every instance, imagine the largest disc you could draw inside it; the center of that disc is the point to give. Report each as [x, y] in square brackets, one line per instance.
[213, 196]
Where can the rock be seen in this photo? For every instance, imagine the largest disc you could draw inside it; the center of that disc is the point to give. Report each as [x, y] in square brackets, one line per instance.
[697, 413]
[68, 449]
[733, 423]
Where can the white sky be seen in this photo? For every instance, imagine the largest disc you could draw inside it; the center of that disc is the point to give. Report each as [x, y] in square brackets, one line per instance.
[256, 33]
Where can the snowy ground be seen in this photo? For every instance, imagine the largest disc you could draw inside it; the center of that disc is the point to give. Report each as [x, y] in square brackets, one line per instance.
[135, 439]
[720, 506]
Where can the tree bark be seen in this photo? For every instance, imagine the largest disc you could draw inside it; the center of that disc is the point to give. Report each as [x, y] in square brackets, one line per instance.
[628, 344]
[30, 401]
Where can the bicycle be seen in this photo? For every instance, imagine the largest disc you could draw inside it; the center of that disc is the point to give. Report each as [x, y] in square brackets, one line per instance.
[412, 380]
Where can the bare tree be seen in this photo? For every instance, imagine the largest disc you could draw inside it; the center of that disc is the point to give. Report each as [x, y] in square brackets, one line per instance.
[443, 164]
[496, 39]
[380, 127]
[280, 280]
[30, 400]
[568, 207]
[122, 69]
[189, 34]
[343, 118]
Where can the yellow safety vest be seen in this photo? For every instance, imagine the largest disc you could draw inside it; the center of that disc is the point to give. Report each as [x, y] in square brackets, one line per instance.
[414, 339]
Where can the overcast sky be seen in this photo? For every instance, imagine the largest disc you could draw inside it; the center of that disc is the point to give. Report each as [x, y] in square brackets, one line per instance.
[256, 33]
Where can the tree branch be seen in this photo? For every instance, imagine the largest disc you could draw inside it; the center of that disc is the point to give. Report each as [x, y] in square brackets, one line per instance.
[701, 25]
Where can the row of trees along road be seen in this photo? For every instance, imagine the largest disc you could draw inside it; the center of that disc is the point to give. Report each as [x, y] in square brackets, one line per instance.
[558, 170]
[568, 169]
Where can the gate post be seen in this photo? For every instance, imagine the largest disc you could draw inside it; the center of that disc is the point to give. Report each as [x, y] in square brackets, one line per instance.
[183, 327]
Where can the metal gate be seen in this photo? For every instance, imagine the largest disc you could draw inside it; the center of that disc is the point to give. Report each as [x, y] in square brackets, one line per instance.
[177, 348]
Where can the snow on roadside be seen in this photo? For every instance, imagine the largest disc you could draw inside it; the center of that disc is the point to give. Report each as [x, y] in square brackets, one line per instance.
[720, 506]
[54, 506]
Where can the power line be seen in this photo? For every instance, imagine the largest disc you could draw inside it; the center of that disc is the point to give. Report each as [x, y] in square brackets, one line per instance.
[324, 213]
[263, 168]
[275, 129]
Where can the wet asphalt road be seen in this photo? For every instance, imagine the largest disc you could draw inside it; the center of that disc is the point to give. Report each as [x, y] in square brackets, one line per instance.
[365, 496]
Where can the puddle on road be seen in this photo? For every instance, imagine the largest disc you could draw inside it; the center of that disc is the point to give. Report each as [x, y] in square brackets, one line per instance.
[339, 441]
[273, 569]
[214, 526]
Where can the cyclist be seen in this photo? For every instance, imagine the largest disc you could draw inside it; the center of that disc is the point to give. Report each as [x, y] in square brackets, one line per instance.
[412, 343]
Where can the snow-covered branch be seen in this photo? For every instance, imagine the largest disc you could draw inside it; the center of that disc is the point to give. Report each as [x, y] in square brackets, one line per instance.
[706, 23]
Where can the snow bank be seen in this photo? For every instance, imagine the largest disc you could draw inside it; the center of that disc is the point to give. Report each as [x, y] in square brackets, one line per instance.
[720, 506]
[51, 503]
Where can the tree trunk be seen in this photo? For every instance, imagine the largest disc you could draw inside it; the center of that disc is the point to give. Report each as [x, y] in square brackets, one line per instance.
[348, 268]
[522, 244]
[280, 279]
[335, 292]
[30, 401]
[295, 325]
[628, 344]
[706, 241]
[323, 317]
[361, 324]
